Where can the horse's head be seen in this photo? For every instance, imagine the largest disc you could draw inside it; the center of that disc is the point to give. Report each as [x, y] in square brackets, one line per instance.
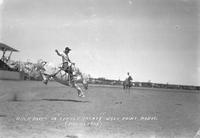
[40, 65]
[46, 67]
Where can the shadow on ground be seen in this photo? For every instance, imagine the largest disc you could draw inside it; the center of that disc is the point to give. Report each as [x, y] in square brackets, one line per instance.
[67, 100]
[3, 115]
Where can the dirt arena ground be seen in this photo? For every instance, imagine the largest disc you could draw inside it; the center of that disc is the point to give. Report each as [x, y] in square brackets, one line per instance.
[30, 109]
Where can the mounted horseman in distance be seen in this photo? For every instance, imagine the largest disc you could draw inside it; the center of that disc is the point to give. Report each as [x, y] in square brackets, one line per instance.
[128, 82]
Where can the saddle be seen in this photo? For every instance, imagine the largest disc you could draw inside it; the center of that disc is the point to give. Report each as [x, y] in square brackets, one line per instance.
[69, 70]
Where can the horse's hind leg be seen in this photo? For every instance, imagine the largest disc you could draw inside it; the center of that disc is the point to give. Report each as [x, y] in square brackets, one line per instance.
[45, 79]
[85, 85]
[80, 92]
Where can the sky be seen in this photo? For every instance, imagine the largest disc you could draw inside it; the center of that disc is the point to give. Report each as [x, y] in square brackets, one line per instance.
[154, 40]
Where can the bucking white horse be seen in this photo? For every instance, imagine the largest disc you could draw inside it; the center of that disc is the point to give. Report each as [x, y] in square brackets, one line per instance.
[48, 71]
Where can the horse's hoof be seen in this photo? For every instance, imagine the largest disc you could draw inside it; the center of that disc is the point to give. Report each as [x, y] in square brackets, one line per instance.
[45, 82]
[81, 95]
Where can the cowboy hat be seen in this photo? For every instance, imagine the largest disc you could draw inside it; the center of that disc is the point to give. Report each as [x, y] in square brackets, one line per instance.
[67, 49]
